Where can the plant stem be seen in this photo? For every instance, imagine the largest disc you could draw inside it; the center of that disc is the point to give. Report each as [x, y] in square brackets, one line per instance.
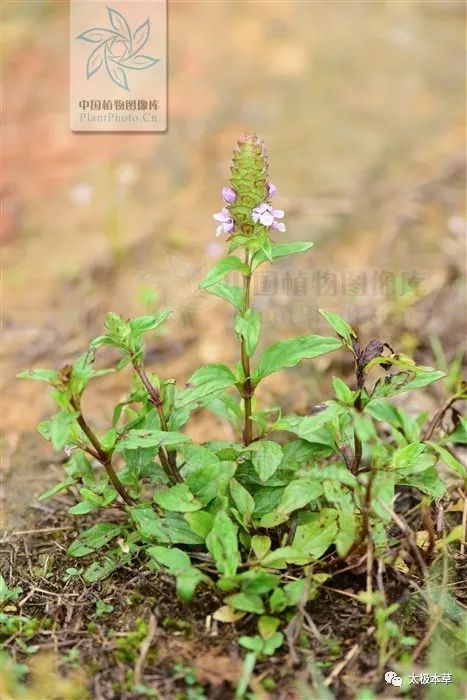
[104, 457]
[168, 460]
[369, 575]
[429, 527]
[358, 453]
[154, 394]
[358, 448]
[165, 465]
[247, 393]
[437, 418]
[365, 528]
[292, 528]
[87, 449]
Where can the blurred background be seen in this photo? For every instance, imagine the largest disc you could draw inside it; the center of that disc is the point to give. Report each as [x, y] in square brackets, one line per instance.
[362, 107]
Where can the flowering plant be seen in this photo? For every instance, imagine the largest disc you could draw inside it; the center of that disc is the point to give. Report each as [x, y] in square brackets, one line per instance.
[266, 520]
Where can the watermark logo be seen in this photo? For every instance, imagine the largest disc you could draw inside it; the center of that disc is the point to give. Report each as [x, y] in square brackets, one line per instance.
[393, 678]
[118, 49]
[118, 65]
[371, 294]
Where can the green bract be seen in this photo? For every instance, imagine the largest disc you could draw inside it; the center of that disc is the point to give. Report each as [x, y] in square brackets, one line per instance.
[248, 177]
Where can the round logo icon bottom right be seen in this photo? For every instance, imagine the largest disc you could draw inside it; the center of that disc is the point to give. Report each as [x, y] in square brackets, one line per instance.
[391, 677]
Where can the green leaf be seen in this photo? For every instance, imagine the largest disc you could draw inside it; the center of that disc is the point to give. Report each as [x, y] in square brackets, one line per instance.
[228, 408]
[203, 482]
[229, 292]
[109, 439]
[391, 384]
[273, 519]
[119, 334]
[173, 559]
[259, 582]
[386, 412]
[223, 268]
[249, 602]
[82, 508]
[449, 460]
[93, 539]
[383, 411]
[298, 494]
[60, 426]
[91, 496]
[295, 591]
[303, 452]
[411, 459]
[115, 324]
[428, 482]
[341, 498]
[425, 376]
[42, 375]
[289, 352]
[172, 529]
[222, 544]
[99, 570]
[459, 436]
[306, 427]
[382, 495]
[178, 531]
[342, 328]
[140, 458]
[102, 341]
[333, 472]
[56, 489]
[211, 480]
[411, 376]
[187, 582]
[265, 245]
[150, 438]
[267, 499]
[280, 250]
[348, 531]
[225, 450]
[343, 393]
[242, 499]
[148, 323]
[316, 535]
[273, 643]
[260, 544]
[200, 522]
[248, 326]
[267, 626]
[8, 593]
[266, 457]
[254, 644]
[196, 457]
[148, 523]
[205, 381]
[177, 498]
[278, 601]
[278, 558]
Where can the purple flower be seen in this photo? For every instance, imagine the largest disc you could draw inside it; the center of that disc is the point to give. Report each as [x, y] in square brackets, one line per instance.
[229, 195]
[272, 189]
[226, 222]
[266, 215]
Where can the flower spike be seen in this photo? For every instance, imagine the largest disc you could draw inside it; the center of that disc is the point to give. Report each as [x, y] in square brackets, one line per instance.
[247, 209]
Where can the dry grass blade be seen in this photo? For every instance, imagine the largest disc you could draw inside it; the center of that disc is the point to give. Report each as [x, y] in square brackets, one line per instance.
[144, 650]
